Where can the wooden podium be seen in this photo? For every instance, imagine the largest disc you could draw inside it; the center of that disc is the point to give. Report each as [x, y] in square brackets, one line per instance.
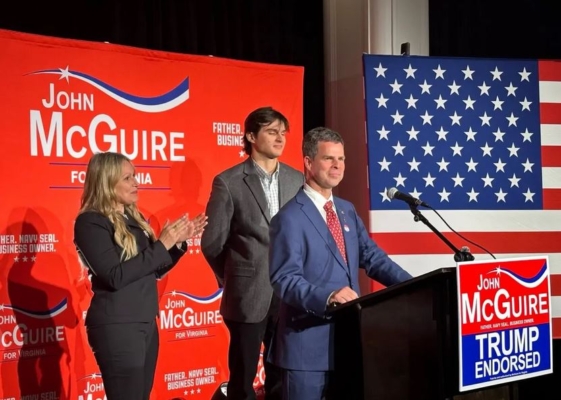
[401, 343]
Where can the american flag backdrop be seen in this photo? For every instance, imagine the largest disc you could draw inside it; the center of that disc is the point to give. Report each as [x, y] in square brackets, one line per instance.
[478, 140]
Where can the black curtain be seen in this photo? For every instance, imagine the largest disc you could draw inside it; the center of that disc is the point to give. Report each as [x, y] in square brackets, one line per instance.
[495, 28]
[271, 31]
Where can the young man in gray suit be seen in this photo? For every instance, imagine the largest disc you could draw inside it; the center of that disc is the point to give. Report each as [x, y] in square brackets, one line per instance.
[235, 244]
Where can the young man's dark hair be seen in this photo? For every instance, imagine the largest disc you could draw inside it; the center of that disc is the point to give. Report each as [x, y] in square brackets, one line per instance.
[258, 119]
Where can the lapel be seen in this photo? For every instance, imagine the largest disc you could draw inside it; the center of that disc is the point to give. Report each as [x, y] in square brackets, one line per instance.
[142, 238]
[347, 228]
[284, 181]
[131, 222]
[251, 179]
[313, 214]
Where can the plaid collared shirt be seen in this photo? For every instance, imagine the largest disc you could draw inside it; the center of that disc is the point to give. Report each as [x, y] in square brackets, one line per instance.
[270, 184]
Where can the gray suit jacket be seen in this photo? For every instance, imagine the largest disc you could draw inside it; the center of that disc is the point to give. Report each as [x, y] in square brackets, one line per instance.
[235, 242]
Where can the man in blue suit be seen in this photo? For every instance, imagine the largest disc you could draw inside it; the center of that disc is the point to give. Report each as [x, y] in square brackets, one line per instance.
[317, 245]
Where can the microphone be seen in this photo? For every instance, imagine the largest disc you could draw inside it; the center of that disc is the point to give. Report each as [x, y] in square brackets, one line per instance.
[393, 193]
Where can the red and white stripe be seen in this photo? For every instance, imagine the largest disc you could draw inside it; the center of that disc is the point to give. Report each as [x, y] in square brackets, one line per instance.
[506, 234]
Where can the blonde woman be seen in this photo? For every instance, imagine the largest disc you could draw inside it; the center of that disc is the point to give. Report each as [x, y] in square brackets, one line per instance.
[125, 259]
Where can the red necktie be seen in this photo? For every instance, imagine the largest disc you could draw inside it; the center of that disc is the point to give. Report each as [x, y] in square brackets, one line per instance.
[335, 228]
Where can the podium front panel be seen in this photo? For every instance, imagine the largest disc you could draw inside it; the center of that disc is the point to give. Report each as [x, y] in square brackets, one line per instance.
[407, 344]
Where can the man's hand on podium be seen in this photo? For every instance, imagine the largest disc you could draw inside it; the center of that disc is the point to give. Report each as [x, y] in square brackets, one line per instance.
[341, 296]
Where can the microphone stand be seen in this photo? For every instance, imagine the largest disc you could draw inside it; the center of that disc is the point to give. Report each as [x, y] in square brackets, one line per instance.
[459, 255]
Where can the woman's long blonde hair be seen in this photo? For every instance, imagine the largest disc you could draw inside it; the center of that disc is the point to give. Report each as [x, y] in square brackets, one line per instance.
[102, 175]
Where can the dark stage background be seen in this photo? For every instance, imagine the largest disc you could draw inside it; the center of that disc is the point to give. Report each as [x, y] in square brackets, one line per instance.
[291, 32]
[284, 31]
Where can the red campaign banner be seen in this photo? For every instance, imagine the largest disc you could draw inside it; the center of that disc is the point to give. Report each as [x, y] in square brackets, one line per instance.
[180, 119]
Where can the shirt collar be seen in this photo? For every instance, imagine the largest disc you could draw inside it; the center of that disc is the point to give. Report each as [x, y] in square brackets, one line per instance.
[316, 196]
[264, 174]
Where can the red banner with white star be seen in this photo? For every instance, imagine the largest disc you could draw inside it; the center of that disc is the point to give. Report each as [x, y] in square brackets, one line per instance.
[179, 118]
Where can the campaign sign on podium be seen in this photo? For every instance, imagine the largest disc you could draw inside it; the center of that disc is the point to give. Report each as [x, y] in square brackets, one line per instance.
[504, 321]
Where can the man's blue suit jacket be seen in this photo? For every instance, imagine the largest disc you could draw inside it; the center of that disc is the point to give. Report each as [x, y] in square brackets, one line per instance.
[306, 267]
